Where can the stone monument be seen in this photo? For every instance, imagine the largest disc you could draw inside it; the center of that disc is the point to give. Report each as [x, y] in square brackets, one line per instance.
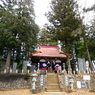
[81, 64]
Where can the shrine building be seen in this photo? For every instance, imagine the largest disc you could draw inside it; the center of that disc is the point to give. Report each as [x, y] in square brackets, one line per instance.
[49, 57]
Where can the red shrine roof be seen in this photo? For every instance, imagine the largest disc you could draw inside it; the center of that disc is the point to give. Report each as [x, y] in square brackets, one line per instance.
[48, 51]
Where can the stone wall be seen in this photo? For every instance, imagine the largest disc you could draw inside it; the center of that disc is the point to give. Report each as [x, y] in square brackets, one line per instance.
[17, 81]
[14, 81]
[90, 84]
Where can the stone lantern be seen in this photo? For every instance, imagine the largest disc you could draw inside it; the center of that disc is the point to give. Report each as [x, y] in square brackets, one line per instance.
[34, 80]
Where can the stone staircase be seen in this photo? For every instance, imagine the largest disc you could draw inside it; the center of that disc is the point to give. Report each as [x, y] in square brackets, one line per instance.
[53, 83]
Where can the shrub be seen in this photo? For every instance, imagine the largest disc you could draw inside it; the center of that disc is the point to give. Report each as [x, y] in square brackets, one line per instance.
[26, 76]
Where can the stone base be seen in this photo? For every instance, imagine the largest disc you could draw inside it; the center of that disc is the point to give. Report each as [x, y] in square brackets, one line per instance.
[34, 91]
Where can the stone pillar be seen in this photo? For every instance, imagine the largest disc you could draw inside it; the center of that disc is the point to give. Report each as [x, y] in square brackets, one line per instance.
[32, 68]
[14, 67]
[69, 66]
[24, 67]
[65, 72]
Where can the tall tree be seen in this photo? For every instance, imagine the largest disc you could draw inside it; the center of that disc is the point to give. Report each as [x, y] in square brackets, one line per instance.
[88, 42]
[91, 33]
[25, 12]
[46, 36]
[7, 24]
[65, 18]
[17, 26]
[92, 40]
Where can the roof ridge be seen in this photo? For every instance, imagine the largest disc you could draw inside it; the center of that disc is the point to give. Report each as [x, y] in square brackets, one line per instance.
[48, 46]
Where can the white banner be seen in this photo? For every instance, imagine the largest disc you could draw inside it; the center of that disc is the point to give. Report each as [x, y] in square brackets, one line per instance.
[78, 84]
[86, 77]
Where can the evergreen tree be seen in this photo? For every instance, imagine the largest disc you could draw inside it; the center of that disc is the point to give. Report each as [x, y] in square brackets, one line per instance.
[46, 36]
[65, 18]
[17, 27]
[92, 40]
[88, 39]
[25, 13]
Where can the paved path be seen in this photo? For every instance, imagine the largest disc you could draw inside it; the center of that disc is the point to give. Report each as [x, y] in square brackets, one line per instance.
[53, 93]
[27, 92]
[73, 93]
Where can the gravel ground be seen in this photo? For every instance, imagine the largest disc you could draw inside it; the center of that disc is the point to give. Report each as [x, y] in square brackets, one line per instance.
[27, 92]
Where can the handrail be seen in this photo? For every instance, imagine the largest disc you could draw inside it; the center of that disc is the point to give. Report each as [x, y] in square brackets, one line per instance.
[60, 81]
[46, 82]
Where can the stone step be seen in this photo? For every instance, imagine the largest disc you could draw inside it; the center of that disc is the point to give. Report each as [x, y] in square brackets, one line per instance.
[52, 78]
[52, 75]
[53, 91]
[52, 83]
[53, 87]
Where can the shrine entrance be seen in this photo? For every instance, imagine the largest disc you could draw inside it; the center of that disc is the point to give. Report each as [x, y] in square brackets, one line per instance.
[50, 65]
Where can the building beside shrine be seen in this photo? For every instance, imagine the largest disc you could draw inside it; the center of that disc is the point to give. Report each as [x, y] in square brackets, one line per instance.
[49, 57]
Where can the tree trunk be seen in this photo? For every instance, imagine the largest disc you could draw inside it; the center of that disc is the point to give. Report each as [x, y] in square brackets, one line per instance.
[68, 60]
[8, 60]
[89, 59]
[87, 50]
[69, 65]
